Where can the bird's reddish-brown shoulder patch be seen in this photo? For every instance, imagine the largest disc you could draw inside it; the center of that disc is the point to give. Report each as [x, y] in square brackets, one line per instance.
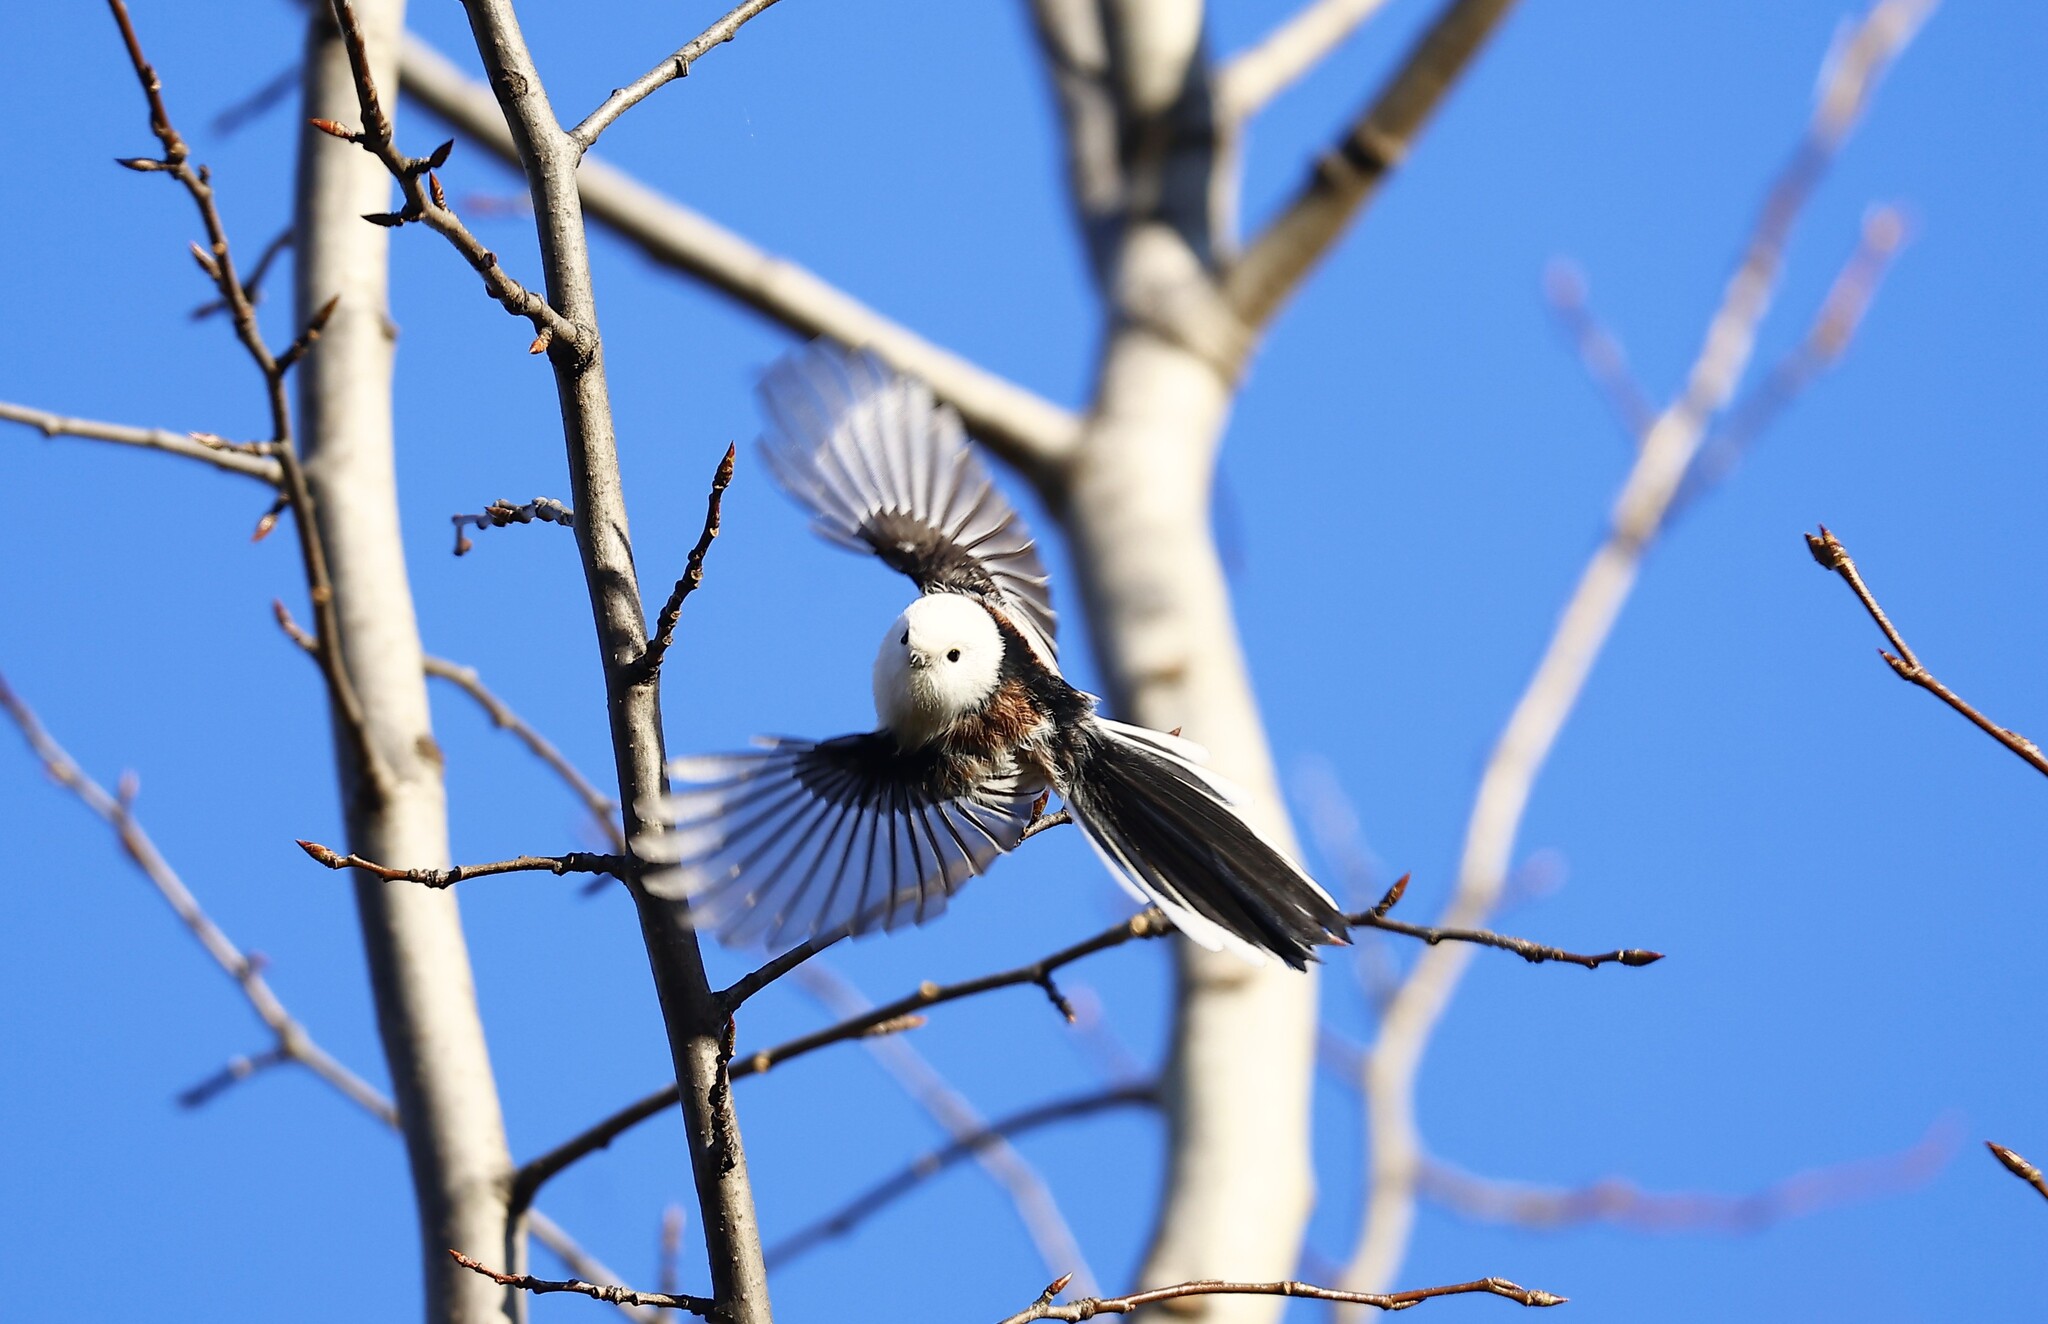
[1006, 721]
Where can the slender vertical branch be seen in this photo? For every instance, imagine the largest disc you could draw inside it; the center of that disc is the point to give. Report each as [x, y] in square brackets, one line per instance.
[693, 1014]
[1639, 514]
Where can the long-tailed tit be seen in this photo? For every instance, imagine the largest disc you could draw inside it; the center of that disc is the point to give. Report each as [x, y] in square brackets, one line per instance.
[803, 839]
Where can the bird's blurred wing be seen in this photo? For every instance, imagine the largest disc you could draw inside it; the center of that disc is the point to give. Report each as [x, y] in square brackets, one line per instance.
[802, 839]
[886, 469]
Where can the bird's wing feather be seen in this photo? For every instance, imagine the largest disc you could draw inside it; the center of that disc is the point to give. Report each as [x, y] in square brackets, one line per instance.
[886, 469]
[803, 839]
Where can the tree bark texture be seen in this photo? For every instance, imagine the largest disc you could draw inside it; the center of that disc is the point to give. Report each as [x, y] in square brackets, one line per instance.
[419, 964]
[694, 1019]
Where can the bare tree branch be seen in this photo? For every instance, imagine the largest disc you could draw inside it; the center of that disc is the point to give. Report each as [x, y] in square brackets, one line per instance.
[1533, 952]
[1025, 429]
[1826, 338]
[1665, 456]
[500, 514]
[1089, 1308]
[1599, 351]
[623, 1296]
[602, 807]
[202, 446]
[693, 569]
[1029, 1195]
[1620, 1203]
[929, 1165]
[2019, 1167]
[574, 862]
[673, 67]
[1829, 553]
[691, 1012]
[1274, 263]
[217, 261]
[293, 1043]
[425, 201]
[1303, 40]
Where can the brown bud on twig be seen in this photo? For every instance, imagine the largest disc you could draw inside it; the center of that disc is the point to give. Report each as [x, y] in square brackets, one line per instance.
[142, 164]
[542, 341]
[206, 262]
[269, 520]
[434, 187]
[439, 156]
[335, 130]
[390, 220]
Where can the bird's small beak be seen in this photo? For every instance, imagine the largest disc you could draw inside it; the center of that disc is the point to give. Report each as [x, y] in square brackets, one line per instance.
[919, 659]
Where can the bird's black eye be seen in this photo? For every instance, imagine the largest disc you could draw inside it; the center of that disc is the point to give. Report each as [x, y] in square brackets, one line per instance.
[905, 639]
[952, 655]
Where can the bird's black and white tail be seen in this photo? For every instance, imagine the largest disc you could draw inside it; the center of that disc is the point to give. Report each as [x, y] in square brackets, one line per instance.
[1165, 827]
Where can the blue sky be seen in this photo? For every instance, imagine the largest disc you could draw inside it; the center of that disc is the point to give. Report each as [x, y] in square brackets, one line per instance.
[1847, 877]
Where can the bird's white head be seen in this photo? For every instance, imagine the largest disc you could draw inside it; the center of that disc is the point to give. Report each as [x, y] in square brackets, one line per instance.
[940, 661]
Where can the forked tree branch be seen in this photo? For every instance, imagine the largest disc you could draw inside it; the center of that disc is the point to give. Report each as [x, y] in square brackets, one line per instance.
[1639, 514]
[1829, 553]
[661, 75]
[1283, 57]
[293, 1042]
[602, 807]
[218, 263]
[691, 1014]
[1275, 262]
[892, 1016]
[1090, 1307]
[250, 459]
[1026, 430]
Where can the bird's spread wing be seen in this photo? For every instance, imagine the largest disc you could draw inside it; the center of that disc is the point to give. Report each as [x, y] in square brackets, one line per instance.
[803, 839]
[888, 470]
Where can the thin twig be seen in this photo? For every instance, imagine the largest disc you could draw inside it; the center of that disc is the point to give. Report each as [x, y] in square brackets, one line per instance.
[186, 444]
[1600, 352]
[731, 997]
[1616, 1202]
[117, 811]
[618, 866]
[1029, 1194]
[1535, 953]
[622, 1296]
[602, 807]
[499, 514]
[1639, 514]
[888, 1018]
[424, 198]
[675, 66]
[2019, 1167]
[293, 1042]
[217, 261]
[1090, 1307]
[1827, 337]
[1020, 426]
[1253, 77]
[1829, 553]
[929, 1165]
[253, 284]
[693, 570]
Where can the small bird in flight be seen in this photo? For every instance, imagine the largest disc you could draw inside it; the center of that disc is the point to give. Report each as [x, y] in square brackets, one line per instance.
[803, 839]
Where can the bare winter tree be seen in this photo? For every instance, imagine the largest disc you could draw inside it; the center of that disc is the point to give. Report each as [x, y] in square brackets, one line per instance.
[1154, 129]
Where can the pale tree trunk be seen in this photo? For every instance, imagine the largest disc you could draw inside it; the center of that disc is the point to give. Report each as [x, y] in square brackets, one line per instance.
[1151, 147]
[1239, 1183]
[419, 965]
